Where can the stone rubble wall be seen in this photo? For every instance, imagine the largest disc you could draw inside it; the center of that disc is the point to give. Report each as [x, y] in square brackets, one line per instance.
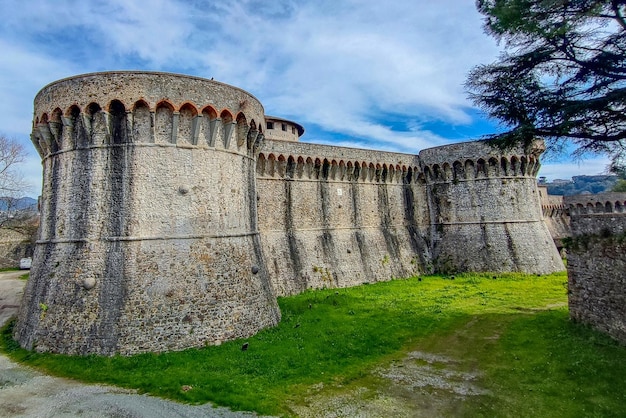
[338, 217]
[14, 245]
[555, 216]
[596, 262]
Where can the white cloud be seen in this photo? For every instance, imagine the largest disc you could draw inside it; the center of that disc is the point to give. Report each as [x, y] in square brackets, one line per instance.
[383, 73]
[23, 73]
[309, 59]
[361, 58]
[101, 32]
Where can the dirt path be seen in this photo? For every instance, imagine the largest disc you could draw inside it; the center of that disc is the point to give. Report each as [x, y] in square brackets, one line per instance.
[27, 393]
[11, 289]
[419, 385]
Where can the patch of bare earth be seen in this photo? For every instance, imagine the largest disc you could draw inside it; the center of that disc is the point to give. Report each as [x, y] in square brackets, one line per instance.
[436, 380]
[420, 385]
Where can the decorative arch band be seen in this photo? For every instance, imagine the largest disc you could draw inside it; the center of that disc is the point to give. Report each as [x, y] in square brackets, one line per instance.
[163, 122]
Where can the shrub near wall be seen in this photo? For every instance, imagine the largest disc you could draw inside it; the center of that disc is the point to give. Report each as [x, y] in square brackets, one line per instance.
[597, 262]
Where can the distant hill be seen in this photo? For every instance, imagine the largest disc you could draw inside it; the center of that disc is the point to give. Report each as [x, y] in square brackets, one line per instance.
[580, 185]
[18, 204]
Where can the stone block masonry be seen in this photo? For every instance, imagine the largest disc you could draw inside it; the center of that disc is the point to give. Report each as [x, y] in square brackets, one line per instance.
[596, 263]
[169, 221]
[486, 210]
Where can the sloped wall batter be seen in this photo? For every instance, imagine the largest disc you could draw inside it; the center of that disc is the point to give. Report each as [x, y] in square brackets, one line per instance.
[145, 245]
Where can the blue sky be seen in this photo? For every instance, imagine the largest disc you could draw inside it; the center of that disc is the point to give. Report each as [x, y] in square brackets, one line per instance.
[359, 73]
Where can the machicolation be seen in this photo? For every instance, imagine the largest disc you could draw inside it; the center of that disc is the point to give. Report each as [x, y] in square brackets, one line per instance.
[174, 212]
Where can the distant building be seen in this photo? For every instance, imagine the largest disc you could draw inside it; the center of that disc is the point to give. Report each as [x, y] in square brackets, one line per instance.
[278, 129]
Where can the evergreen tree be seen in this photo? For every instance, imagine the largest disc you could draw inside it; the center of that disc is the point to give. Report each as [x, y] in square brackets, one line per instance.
[562, 76]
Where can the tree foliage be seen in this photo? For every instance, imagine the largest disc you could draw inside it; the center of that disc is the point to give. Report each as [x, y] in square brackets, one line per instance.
[620, 186]
[620, 171]
[562, 76]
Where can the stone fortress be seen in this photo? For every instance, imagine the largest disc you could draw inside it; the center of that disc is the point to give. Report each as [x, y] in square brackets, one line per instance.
[174, 212]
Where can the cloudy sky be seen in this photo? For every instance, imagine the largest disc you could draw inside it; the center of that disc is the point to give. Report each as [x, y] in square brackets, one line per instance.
[358, 73]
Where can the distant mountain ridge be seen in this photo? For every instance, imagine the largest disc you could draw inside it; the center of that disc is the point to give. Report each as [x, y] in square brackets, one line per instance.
[21, 203]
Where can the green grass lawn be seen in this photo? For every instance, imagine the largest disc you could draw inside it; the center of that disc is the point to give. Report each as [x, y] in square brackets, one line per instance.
[513, 329]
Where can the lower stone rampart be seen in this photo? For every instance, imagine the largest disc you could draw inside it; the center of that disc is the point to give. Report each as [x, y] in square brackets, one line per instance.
[496, 247]
[145, 297]
[596, 262]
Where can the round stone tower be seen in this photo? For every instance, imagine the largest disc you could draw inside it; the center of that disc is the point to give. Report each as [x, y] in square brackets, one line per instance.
[279, 129]
[485, 209]
[148, 238]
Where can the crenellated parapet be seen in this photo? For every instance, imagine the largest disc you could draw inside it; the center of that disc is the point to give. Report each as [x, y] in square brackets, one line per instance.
[555, 215]
[321, 168]
[486, 210]
[593, 213]
[471, 169]
[470, 161]
[145, 108]
[553, 210]
[306, 161]
[599, 203]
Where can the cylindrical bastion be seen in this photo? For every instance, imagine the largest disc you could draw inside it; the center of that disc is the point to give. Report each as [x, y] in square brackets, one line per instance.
[148, 238]
[485, 209]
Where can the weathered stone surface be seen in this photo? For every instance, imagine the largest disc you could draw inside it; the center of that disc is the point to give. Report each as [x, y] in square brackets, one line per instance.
[555, 216]
[159, 221]
[486, 209]
[14, 245]
[596, 262]
[169, 221]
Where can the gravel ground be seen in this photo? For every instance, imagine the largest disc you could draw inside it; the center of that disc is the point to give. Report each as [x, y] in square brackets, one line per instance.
[27, 393]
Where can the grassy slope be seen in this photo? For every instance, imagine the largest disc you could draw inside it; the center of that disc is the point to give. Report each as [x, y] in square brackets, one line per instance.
[514, 329]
